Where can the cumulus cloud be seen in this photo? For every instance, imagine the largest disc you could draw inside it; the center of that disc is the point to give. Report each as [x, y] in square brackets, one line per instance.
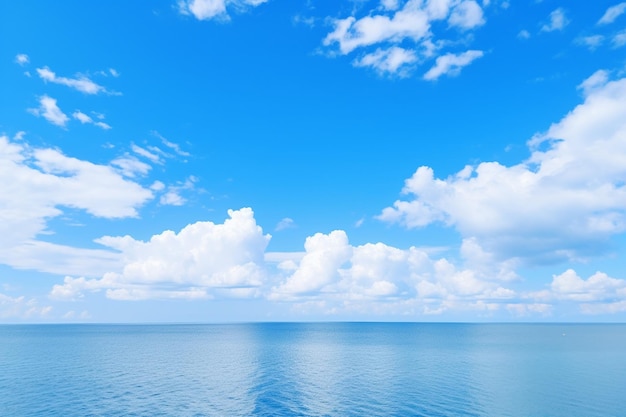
[612, 13]
[564, 202]
[21, 308]
[343, 276]
[22, 59]
[214, 9]
[451, 64]
[388, 61]
[203, 257]
[402, 34]
[49, 110]
[81, 83]
[558, 21]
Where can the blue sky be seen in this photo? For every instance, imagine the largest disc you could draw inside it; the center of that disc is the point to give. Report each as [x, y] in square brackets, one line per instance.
[244, 160]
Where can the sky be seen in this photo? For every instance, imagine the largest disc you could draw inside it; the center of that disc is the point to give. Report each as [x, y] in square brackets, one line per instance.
[304, 160]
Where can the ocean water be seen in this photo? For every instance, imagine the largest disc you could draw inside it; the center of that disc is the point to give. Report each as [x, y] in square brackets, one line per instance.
[316, 369]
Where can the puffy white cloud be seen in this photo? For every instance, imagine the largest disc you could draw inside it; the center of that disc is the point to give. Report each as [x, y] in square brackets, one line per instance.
[466, 15]
[202, 258]
[451, 64]
[401, 34]
[350, 33]
[390, 61]
[50, 111]
[612, 13]
[212, 9]
[35, 183]
[564, 202]
[22, 59]
[558, 21]
[81, 83]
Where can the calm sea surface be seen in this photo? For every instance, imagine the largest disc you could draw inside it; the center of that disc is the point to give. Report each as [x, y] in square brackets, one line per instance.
[339, 369]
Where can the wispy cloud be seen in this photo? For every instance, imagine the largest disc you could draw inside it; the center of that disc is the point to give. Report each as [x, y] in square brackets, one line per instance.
[85, 119]
[612, 13]
[80, 83]
[49, 110]
[451, 64]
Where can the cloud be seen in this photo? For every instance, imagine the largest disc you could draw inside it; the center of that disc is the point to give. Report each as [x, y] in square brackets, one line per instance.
[172, 197]
[558, 21]
[451, 64]
[22, 59]
[152, 157]
[562, 203]
[202, 258]
[523, 34]
[129, 166]
[173, 146]
[286, 223]
[612, 13]
[81, 83]
[619, 39]
[83, 118]
[388, 61]
[37, 183]
[21, 308]
[401, 34]
[591, 42]
[466, 15]
[50, 111]
[214, 9]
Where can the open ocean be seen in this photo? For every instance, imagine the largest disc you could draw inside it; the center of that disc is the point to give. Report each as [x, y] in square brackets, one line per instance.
[314, 369]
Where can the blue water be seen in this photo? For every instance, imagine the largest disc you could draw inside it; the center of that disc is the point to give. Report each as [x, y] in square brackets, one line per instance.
[339, 369]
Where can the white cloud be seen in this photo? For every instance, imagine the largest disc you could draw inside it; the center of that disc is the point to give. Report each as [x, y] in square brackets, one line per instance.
[172, 196]
[214, 9]
[286, 223]
[50, 111]
[81, 83]
[350, 33]
[564, 202]
[397, 36]
[558, 21]
[619, 39]
[591, 42]
[467, 15]
[597, 80]
[83, 118]
[202, 258]
[36, 183]
[388, 61]
[173, 146]
[21, 308]
[612, 13]
[22, 59]
[130, 166]
[523, 34]
[154, 158]
[451, 64]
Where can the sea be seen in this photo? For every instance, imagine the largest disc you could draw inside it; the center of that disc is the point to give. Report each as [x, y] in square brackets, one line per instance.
[314, 369]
